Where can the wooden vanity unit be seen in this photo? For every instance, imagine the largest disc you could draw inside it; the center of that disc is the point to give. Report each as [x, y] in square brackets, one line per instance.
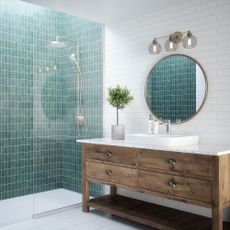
[198, 179]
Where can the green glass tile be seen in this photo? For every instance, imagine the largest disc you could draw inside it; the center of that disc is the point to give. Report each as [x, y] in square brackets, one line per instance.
[37, 129]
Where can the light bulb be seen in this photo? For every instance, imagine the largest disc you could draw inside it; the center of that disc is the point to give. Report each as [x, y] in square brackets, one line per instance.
[189, 41]
[170, 44]
[156, 47]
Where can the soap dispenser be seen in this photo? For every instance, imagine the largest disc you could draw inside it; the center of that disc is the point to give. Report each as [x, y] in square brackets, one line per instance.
[150, 124]
[156, 127]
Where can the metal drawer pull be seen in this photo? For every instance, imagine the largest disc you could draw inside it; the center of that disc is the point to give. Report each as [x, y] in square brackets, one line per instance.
[172, 162]
[108, 172]
[172, 184]
[109, 154]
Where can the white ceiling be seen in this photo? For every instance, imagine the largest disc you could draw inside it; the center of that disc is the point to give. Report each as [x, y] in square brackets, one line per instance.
[103, 11]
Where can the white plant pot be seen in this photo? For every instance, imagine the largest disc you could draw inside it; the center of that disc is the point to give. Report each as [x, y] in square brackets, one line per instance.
[118, 132]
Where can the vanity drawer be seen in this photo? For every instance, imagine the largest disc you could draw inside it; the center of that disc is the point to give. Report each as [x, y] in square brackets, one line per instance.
[183, 163]
[111, 173]
[112, 154]
[192, 189]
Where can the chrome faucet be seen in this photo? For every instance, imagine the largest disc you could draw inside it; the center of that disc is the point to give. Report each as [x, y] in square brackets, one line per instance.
[167, 123]
[168, 126]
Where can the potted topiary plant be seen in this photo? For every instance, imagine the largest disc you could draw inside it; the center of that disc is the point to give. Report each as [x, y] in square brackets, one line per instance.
[119, 98]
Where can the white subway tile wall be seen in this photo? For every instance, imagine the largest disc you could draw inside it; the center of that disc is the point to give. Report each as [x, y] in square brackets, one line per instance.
[128, 62]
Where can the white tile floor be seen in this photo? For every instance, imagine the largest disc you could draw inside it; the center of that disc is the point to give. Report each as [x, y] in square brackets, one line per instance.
[22, 208]
[55, 199]
[75, 219]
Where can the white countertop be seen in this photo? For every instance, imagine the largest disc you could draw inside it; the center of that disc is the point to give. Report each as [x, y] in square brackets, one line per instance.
[202, 149]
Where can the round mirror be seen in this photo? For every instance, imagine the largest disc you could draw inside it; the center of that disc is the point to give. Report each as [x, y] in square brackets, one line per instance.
[176, 88]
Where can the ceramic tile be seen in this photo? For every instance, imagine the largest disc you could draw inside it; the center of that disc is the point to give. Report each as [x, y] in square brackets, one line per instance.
[75, 219]
[38, 98]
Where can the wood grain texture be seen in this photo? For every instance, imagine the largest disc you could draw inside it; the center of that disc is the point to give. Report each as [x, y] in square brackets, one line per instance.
[224, 179]
[218, 193]
[193, 189]
[184, 163]
[156, 216]
[112, 173]
[112, 154]
[85, 184]
[113, 190]
[190, 178]
[155, 193]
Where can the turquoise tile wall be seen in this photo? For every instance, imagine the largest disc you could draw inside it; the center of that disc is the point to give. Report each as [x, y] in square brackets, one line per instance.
[174, 97]
[16, 101]
[89, 37]
[48, 103]
[38, 101]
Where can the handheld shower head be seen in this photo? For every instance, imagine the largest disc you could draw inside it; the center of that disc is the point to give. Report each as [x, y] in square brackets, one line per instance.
[72, 57]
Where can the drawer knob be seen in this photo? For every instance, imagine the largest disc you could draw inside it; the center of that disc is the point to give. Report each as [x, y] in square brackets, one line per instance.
[172, 183]
[172, 162]
[109, 154]
[108, 172]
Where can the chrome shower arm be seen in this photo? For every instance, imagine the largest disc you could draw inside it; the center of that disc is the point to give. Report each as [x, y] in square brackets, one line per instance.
[60, 38]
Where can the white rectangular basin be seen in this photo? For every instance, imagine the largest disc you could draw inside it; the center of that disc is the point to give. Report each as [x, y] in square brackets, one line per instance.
[162, 139]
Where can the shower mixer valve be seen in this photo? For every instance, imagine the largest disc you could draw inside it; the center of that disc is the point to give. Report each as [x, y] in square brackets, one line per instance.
[80, 119]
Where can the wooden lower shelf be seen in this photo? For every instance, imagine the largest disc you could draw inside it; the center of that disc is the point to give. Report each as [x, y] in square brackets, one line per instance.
[153, 215]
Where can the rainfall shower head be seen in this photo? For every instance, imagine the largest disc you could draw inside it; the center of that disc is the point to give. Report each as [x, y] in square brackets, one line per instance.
[57, 43]
[72, 57]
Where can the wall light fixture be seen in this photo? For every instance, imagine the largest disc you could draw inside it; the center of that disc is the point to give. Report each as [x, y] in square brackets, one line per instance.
[189, 41]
